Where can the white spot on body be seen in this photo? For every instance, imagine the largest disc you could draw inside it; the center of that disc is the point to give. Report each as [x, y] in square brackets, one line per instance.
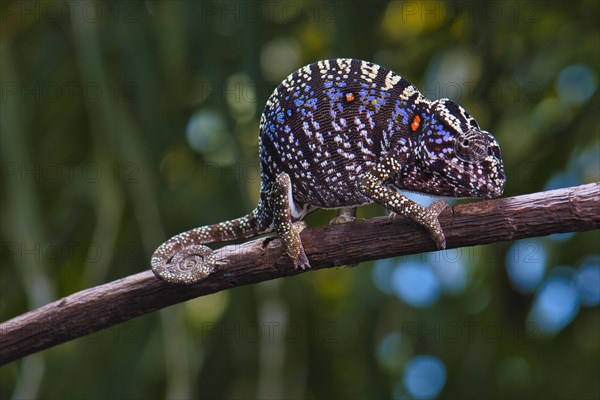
[391, 79]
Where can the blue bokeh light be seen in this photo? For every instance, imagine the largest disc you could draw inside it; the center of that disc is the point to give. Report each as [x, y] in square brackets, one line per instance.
[451, 269]
[556, 303]
[576, 84]
[562, 180]
[424, 377]
[392, 352]
[561, 237]
[526, 264]
[382, 274]
[416, 284]
[206, 131]
[586, 163]
[588, 281]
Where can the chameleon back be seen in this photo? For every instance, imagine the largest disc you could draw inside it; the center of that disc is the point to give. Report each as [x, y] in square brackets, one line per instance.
[325, 125]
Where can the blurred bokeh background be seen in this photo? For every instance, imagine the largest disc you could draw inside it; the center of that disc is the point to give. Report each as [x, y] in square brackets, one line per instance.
[123, 123]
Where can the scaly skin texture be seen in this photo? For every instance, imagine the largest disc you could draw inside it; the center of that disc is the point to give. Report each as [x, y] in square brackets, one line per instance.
[342, 133]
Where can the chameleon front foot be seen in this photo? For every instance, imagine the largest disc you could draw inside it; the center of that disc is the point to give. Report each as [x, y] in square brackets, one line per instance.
[188, 265]
[373, 186]
[433, 224]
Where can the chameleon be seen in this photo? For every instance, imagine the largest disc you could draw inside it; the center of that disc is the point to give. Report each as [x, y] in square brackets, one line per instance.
[342, 133]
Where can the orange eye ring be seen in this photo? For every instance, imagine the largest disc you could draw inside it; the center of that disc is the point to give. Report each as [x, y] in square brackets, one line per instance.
[416, 123]
[349, 97]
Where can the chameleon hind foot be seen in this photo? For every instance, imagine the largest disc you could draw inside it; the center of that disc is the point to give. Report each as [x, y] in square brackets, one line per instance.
[281, 202]
[189, 264]
[345, 216]
[300, 261]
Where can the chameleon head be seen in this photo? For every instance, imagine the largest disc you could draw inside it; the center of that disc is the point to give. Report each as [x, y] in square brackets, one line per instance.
[457, 157]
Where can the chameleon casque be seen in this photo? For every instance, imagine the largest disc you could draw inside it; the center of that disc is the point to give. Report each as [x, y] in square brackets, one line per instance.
[342, 133]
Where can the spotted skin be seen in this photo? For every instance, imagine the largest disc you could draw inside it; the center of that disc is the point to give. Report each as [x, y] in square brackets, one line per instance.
[342, 133]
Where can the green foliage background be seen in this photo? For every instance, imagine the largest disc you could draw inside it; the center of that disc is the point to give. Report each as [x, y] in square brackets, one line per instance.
[123, 123]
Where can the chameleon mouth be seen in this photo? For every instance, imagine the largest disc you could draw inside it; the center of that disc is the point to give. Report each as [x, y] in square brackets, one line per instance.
[499, 187]
[494, 191]
[496, 184]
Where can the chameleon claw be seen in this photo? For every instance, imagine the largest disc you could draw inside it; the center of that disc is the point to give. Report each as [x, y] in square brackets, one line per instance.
[301, 262]
[300, 259]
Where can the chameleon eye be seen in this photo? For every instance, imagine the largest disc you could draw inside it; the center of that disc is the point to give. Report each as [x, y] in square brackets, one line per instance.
[471, 148]
[349, 97]
[416, 123]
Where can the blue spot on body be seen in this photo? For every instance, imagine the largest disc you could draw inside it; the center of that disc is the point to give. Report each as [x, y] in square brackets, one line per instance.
[404, 117]
[334, 94]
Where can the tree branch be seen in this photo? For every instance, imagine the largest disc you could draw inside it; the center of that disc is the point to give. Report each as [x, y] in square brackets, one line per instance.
[563, 210]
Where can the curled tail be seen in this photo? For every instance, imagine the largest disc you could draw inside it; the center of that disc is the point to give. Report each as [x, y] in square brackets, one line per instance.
[185, 259]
